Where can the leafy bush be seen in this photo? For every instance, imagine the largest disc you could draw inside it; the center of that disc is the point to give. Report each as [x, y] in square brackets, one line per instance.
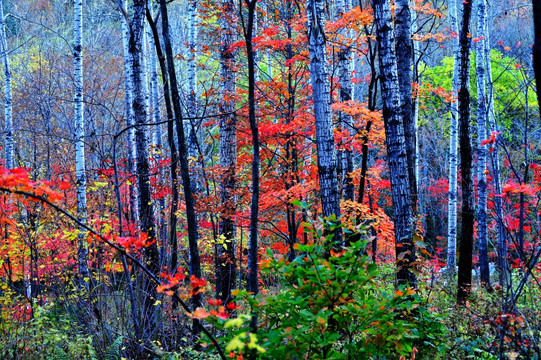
[331, 307]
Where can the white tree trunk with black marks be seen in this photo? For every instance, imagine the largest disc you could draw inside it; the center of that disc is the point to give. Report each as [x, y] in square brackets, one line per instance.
[128, 85]
[80, 170]
[453, 148]
[482, 242]
[326, 157]
[8, 94]
[396, 143]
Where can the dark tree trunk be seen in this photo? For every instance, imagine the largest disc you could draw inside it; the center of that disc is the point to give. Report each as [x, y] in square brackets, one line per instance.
[172, 147]
[248, 27]
[226, 264]
[466, 159]
[404, 62]
[396, 144]
[193, 234]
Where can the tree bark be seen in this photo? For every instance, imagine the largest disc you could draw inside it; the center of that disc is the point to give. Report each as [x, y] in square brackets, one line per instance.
[537, 47]
[8, 95]
[193, 232]
[326, 157]
[404, 62]
[248, 27]
[226, 264]
[482, 242]
[346, 94]
[80, 171]
[453, 149]
[396, 144]
[466, 160]
[128, 85]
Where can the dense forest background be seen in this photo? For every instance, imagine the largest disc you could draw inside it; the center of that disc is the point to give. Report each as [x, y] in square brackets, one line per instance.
[270, 179]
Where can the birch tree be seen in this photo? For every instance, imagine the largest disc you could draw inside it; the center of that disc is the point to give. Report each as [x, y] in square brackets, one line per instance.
[453, 148]
[326, 157]
[396, 143]
[537, 47]
[482, 242]
[466, 158]
[404, 62]
[226, 266]
[346, 94]
[80, 171]
[8, 96]
[192, 91]
[128, 88]
[495, 163]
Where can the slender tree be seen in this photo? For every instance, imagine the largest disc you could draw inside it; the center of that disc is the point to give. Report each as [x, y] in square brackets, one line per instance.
[482, 242]
[537, 47]
[80, 171]
[248, 24]
[396, 143]
[326, 157]
[193, 232]
[8, 96]
[466, 158]
[346, 94]
[128, 88]
[226, 266]
[453, 148]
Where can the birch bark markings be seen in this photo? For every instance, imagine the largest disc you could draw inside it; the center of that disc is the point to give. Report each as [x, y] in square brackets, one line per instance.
[226, 266]
[453, 149]
[404, 62]
[537, 47]
[128, 85]
[8, 95]
[482, 242]
[80, 171]
[346, 94]
[139, 105]
[396, 143]
[326, 157]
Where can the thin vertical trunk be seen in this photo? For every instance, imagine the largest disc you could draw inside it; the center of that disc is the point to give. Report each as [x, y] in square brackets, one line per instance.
[482, 242]
[128, 85]
[537, 47]
[192, 97]
[157, 138]
[453, 149]
[495, 161]
[248, 27]
[326, 157]
[396, 144]
[193, 233]
[146, 208]
[80, 171]
[8, 96]
[226, 266]
[172, 146]
[346, 94]
[466, 160]
[404, 62]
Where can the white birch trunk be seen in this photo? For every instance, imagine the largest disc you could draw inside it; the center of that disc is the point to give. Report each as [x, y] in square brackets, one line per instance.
[453, 149]
[128, 84]
[326, 156]
[80, 171]
[501, 238]
[192, 88]
[482, 242]
[395, 140]
[8, 95]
